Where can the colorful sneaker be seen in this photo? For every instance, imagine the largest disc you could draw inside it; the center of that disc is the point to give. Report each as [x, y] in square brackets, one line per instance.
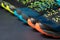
[48, 24]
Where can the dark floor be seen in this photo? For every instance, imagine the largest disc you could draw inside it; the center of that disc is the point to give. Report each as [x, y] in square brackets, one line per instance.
[13, 29]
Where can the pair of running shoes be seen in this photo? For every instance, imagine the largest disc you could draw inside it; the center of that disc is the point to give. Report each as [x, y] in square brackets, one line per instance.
[47, 22]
